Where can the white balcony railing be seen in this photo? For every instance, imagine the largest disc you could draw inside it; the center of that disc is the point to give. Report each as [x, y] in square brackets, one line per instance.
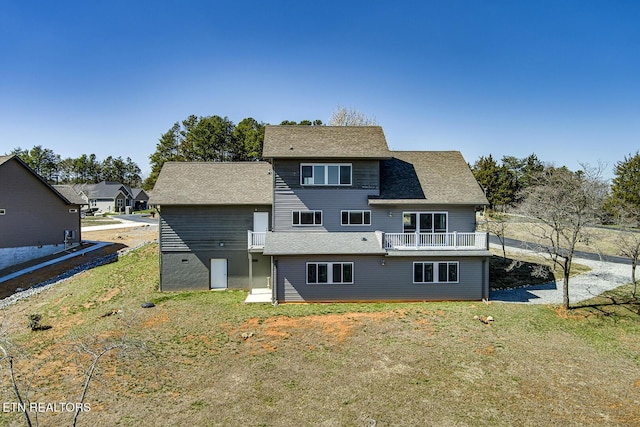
[255, 239]
[435, 241]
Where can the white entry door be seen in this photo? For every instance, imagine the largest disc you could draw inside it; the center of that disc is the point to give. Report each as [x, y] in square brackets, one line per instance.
[260, 222]
[218, 273]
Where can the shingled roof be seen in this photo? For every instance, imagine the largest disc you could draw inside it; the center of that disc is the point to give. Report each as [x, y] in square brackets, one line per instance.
[213, 183]
[428, 177]
[323, 243]
[326, 142]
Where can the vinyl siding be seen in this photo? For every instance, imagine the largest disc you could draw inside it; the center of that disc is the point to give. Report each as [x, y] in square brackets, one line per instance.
[192, 228]
[34, 214]
[365, 173]
[190, 237]
[375, 282]
[460, 218]
[331, 201]
[181, 271]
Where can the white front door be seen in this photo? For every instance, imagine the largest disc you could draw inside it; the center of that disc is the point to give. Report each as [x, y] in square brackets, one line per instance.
[218, 273]
[260, 222]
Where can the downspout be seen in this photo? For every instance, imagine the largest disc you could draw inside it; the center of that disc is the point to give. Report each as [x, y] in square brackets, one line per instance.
[159, 250]
[274, 281]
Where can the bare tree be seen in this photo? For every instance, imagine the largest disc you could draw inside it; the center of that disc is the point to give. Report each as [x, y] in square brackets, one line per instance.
[564, 203]
[8, 357]
[342, 116]
[629, 241]
[496, 224]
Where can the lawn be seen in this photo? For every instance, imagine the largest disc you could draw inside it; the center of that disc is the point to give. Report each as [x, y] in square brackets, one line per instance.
[206, 358]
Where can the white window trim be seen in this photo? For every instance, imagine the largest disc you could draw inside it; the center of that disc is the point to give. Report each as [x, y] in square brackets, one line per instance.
[436, 272]
[73, 210]
[329, 273]
[314, 218]
[446, 214]
[326, 174]
[362, 211]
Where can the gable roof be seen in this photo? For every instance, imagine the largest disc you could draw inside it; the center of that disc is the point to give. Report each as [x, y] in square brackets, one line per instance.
[213, 183]
[70, 194]
[428, 177]
[325, 142]
[103, 190]
[66, 197]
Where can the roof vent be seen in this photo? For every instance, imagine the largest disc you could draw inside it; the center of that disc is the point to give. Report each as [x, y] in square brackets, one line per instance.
[364, 239]
[291, 147]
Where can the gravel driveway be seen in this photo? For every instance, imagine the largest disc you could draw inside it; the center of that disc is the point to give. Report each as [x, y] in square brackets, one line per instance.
[602, 277]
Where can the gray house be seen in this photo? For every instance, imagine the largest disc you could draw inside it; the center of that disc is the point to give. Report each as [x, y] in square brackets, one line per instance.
[106, 196]
[350, 220]
[36, 218]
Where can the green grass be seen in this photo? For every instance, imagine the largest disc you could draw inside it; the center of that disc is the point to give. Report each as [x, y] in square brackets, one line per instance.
[331, 364]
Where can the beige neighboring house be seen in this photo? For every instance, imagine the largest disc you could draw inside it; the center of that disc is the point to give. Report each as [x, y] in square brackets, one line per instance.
[36, 218]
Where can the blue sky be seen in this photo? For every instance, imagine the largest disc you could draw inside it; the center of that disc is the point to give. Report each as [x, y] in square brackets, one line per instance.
[557, 78]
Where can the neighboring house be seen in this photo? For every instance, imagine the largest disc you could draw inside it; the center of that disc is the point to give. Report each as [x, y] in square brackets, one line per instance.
[140, 199]
[36, 218]
[350, 221]
[106, 196]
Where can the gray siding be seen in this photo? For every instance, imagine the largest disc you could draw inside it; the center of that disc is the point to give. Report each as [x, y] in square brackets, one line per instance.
[190, 237]
[194, 228]
[34, 214]
[376, 282]
[389, 219]
[332, 201]
[181, 271]
[365, 173]
[329, 200]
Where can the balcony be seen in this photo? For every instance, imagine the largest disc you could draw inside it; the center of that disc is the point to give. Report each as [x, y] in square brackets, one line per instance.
[436, 241]
[255, 239]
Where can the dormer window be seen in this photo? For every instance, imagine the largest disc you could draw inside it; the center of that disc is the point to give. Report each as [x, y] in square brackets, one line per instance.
[325, 174]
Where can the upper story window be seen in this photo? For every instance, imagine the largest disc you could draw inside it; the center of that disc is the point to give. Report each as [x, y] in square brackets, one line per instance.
[424, 222]
[355, 217]
[325, 174]
[306, 218]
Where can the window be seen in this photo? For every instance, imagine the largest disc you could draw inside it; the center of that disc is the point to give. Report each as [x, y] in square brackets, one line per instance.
[306, 218]
[72, 210]
[3, 211]
[325, 174]
[424, 222]
[435, 272]
[329, 273]
[355, 217]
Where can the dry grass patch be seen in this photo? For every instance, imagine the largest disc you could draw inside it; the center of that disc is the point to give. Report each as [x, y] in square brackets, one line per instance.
[321, 364]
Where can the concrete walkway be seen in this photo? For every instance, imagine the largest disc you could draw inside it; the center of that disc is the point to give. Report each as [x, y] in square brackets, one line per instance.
[603, 276]
[95, 246]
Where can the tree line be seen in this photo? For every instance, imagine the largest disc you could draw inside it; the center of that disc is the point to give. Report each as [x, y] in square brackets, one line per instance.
[506, 183]
[85, 169]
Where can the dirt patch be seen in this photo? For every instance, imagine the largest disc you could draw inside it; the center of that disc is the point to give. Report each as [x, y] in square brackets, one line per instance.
[328, 329]
[121, 239]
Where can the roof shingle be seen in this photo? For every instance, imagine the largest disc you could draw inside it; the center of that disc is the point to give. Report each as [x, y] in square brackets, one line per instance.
[213, 183]
[431, 177]
[306, 142]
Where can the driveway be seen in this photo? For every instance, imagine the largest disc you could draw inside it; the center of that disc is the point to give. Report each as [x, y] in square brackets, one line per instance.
[604, 276]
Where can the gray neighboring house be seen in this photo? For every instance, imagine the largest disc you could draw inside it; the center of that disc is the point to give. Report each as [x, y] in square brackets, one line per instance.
[36, 218]
[140, 199]
[106, 196]
[349, 220]
[207, 211]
